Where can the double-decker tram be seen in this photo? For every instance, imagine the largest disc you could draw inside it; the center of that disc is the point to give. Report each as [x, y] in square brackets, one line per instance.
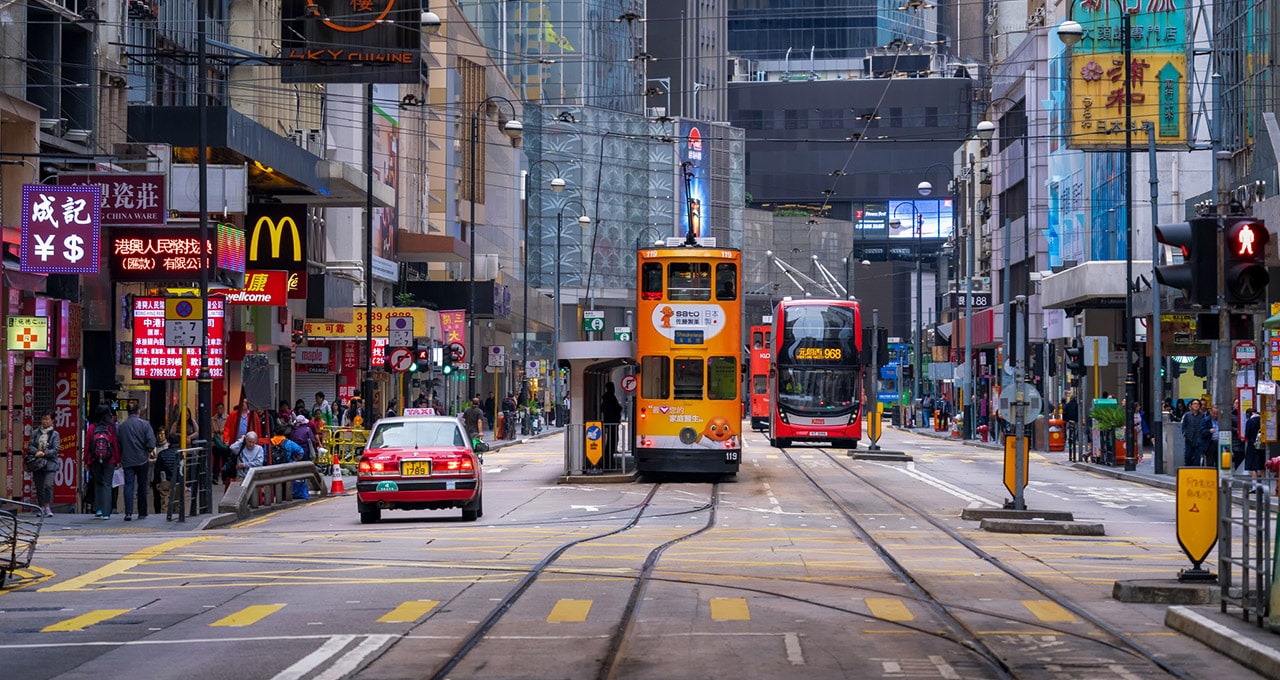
[759, 353]
[688, 347]
[815, 384]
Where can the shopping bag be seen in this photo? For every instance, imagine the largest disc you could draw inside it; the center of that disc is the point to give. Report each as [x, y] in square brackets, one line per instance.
[117, 478]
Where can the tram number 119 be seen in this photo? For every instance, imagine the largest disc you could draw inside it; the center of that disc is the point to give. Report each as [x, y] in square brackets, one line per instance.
[731, 456]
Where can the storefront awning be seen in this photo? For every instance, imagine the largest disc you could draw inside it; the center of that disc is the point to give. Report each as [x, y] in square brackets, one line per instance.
[1272, 322]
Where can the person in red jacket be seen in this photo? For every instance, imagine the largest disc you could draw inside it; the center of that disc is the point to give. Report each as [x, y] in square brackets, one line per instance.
[242, 420]
[101, 458]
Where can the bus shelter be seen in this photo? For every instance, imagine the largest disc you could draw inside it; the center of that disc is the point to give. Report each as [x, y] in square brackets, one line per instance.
[593, 448]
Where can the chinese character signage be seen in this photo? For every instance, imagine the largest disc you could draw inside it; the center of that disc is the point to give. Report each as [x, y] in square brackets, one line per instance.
[66, 420]
[172, 254]
[27, 333]
[277, 236]
[453, 326]
[261, 288]
[1157, 73]
[61, 229]
[128, 199]
[152, 360]
[356, 331]
[350, 41]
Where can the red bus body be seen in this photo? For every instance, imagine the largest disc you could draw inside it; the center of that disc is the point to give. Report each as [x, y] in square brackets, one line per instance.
[815, 375]
[758, 387]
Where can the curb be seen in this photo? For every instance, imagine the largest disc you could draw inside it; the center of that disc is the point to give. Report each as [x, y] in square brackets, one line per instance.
[1030, 526]
[1245, 650]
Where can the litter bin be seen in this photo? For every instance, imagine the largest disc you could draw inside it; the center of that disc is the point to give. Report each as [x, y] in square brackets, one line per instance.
[1057, 435]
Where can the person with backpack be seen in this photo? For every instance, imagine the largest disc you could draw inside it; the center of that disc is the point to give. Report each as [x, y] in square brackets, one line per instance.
[101, 457]
[285, 450]
[137, 441]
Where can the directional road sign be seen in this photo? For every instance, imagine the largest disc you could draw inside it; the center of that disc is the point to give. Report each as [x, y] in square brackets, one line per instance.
[593, 321]
[622, 333]
[594, 442]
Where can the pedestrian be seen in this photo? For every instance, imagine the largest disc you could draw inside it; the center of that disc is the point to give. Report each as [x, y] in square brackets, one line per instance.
[1209, 437]
[1191, 425]
[42, 462]
[102, 457]
[137, 449]
[610, 416]
[1071, 411]
[471, 419]
[1255, 457]
[1179, 409]
[242, 421]
[248, 454]
[219, 420]
[165, 471]
[489, 405]
[304, 435]
[354, 415]
[293, 453]
[323, 409]
[174, 432]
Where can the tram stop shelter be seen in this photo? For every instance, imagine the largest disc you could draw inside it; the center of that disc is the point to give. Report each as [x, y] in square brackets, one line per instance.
[592, 364]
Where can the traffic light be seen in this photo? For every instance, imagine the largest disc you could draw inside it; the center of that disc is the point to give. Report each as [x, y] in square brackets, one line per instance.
[421, 359]
[1197, 274]
[1244, 253]
[446, 364]
[1075, 361]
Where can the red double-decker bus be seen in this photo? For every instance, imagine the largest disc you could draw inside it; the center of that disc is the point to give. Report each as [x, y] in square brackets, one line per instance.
[815, 380]
[761, 350]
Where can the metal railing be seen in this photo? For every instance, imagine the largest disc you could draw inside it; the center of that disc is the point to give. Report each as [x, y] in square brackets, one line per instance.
[343, 445]
[192, 473]
[1244, 546]
[269, 485]
[617, 460]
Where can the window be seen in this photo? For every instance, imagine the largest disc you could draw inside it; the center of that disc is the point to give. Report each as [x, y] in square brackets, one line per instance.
[759, 384]
[726, 281]
[688, 281]
[651, 281]
[757, 340]
[688, 378]
[655, 378]
[722, 378]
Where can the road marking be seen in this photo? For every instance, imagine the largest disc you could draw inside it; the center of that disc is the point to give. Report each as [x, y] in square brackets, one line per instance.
[409, 612]
[84, 620]
[350, 661]
[794, 654]
[911, 471]
[120, 566]
[730, 609]
[569, 611]
[26, 578]
[1049, 612]
[247, 616]
[309, 662]
[889, 609]
[944, 668]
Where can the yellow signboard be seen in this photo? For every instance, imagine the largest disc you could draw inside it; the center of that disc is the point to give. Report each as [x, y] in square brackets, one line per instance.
[330, 330]
[1010, 458]
[1158, 86]
[183, 309]
[593, 439]
[1197, 513]
[27, 333]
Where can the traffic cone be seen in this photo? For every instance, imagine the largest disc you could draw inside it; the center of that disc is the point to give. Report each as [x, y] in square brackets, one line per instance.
[336, 487]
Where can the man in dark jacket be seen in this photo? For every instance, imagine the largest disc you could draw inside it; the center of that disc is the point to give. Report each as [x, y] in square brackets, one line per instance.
[137, 444]
[1192, 422]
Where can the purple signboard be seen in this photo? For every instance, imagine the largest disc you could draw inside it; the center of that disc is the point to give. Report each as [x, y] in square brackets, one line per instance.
[61, 229]
[128, 199]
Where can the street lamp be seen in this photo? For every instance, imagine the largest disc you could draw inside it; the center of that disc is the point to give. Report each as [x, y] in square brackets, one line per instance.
[917, 222]
[849, 278]
[513, 129]
[557, 185]
[1070, 33]
[585, 223]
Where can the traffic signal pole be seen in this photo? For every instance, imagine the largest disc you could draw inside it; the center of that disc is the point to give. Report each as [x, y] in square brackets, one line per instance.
[1153, 329]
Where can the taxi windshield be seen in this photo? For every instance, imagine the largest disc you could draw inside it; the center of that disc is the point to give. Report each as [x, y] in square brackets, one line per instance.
[417, 435]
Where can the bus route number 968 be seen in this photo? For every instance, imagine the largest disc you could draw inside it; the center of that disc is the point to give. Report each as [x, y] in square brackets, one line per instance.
[819, 354]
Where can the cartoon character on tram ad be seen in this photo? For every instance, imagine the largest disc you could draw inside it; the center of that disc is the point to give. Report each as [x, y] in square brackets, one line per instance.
[718, 433]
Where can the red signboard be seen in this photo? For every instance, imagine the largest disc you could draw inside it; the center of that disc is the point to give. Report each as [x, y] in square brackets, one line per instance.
[453, 325]
[297, 285]
[61, 229]
[128, 199]
[66, 420]
[171, 254]
[261, 288]
[153, 361]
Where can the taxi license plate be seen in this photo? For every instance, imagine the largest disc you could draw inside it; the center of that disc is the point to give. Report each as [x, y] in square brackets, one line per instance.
[415, 468]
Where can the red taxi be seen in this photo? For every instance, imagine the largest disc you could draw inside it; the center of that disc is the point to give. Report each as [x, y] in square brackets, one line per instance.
[418, 463]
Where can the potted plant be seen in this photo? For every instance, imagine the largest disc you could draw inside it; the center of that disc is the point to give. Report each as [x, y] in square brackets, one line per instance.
[1108, 419]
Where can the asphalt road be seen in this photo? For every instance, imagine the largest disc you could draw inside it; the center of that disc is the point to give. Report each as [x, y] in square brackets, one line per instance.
[786, 571]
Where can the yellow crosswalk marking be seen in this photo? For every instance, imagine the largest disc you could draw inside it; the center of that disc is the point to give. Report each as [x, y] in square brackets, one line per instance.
[730, 609]
[1049, 612]
[248, 616]
[889, 609]
[569, 611]
[83, 621]
[409, 612]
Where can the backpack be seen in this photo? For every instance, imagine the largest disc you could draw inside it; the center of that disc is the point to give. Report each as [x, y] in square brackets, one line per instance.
[103, 446]
[277, 453]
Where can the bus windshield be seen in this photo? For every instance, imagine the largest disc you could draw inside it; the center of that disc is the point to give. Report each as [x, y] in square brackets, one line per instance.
[818, 390]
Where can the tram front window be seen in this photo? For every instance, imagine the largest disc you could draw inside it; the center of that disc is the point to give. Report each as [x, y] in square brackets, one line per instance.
[817, 390]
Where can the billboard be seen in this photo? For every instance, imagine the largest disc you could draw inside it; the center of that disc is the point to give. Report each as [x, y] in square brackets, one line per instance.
[350, 41]
[129, 199]
[695, 187]
[153, 360]
[924, 218]
[61, 229]
[277, 236]
[1160, 88]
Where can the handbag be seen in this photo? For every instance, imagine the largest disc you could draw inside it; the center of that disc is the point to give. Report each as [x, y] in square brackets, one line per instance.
[51, 464]
[117, 478]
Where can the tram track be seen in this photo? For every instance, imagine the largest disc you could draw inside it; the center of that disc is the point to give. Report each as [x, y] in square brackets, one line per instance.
[1002, 660]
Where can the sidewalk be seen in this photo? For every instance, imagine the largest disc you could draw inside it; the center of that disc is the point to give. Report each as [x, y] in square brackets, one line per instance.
[1242, 641]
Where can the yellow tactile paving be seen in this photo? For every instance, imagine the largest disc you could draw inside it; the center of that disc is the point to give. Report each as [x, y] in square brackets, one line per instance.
[247, 616]
[83, 621]
[1049, 612]
[409, 612]
[889, 609]
[569, 611]
[730, 609]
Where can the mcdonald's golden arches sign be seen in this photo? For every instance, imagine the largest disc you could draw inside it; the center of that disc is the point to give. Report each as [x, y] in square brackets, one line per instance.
[276, 237]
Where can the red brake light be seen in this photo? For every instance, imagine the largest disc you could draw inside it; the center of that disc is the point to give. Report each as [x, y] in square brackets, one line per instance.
[366, 466]
[651, 296]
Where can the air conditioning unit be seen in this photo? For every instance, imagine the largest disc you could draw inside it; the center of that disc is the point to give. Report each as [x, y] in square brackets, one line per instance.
[656, 112]
[982, 284]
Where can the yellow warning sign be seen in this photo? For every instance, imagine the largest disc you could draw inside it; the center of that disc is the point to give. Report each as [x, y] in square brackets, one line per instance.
[1197, 513]
[1010, 462]
[593, 435]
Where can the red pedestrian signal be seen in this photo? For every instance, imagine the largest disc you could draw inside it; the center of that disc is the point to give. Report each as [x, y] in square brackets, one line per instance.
[1245, 260]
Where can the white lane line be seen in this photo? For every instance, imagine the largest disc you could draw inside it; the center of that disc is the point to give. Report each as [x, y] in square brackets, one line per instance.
[313, 660]
[794, 653]
[911, 471]
[139, 643]
[944, 668]
[350, 661]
